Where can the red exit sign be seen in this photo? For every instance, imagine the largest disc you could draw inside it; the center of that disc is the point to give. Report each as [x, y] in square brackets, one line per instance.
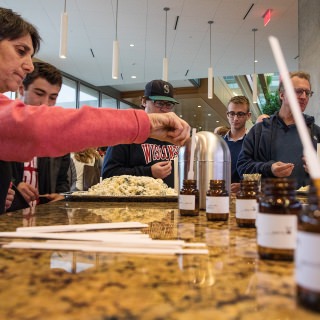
[267, 17]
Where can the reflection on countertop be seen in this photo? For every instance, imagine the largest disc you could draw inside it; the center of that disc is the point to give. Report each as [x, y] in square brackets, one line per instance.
[229, 283]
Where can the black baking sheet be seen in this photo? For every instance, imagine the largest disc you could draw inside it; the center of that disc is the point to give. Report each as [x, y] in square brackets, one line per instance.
[94, 198]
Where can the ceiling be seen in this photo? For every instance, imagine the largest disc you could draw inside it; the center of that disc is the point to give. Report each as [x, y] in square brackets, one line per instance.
[142, 23]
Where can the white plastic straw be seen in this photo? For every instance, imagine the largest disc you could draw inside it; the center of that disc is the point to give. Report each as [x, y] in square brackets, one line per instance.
[193, 146]
[84, 227]
[101, 248]
[308, 149]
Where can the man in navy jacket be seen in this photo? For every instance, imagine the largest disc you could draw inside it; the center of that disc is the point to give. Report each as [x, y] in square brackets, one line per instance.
[273, 147]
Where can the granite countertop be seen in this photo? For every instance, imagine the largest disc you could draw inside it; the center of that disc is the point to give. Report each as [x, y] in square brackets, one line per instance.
[229, 283]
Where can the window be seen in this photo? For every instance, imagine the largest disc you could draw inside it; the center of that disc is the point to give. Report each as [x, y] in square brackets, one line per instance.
[88, 96]
[233, 85]
[75, 94]
[67, 96]
[11, 95]
[108, 102]
[124, 105]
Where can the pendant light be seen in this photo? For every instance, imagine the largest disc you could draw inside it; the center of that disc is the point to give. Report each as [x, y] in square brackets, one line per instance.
[165, 59]
[254, 76]
[115, 52]
[210, 70]
[64, 32]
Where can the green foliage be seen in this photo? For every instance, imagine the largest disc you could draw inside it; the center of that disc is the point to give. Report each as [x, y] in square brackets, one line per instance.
[272, 103]
[268, 80]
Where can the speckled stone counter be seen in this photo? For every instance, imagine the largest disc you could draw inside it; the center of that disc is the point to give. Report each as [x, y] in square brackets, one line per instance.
[229, 283]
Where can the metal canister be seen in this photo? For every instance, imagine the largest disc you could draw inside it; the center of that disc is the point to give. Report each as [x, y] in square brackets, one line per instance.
[212, 161]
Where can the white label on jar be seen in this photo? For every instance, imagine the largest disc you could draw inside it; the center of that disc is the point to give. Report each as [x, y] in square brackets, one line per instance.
[307, 260]
[278, 231]
[217, 204]
[246, 208]
[187, 202]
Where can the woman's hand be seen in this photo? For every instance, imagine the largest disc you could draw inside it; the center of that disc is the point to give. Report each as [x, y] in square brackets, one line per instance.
[169, 127]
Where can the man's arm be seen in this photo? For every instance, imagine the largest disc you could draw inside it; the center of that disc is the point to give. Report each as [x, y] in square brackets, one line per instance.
[68, 129]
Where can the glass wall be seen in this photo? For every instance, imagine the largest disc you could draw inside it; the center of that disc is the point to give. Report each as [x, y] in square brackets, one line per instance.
[124, 105]
[233, 85]
[11, 95]
[68, 94]
[73, 88]
[88, 96]
[75, 94]
[108, 102]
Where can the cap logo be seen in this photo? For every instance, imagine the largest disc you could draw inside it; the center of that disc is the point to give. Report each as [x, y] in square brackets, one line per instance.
[166, 89]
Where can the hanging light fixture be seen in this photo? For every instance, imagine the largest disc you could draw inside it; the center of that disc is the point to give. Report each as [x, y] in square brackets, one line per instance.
[254, 76]
[115, 52]
[64, 32]
[165, 59]
[210, 70]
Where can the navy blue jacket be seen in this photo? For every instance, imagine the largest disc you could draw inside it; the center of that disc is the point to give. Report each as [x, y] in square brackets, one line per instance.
[260, 147]
[137, 159]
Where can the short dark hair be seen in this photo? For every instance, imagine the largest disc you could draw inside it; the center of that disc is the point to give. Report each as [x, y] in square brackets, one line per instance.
[298, 74]
[43, 70]
[14, 27]
[240, 100]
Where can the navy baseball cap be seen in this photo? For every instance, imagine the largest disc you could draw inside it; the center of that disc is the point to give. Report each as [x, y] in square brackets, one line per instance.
[159, 90]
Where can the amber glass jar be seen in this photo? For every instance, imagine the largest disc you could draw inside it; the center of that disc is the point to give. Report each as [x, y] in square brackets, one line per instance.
[277, 219]
[217, 201]
[189, 198]
[246, 203]
[307, 258]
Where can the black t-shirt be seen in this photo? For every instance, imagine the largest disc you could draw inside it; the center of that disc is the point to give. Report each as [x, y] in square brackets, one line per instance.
[5, 179]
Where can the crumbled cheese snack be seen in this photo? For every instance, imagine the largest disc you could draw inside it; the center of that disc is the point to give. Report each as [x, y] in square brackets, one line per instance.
[303, 189]
[127, 185]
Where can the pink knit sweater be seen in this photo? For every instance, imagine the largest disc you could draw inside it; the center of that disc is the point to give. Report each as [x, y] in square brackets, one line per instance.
[28, 131]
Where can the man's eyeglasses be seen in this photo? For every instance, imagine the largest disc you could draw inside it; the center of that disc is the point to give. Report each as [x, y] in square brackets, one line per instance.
[240, 114]
[163, 104]
[299, 92]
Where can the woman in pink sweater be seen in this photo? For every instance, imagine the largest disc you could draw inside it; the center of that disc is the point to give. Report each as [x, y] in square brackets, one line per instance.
[28, 131]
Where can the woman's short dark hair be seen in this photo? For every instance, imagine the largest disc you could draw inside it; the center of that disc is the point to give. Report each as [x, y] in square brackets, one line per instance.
[12, 27]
